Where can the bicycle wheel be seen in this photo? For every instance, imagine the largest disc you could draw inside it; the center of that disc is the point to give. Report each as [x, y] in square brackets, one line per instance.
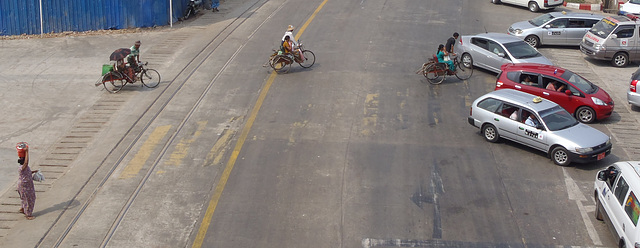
[434, 73]
[113, 82]
[281, 64]
[309, 59]
[150, 78]
[463, 72]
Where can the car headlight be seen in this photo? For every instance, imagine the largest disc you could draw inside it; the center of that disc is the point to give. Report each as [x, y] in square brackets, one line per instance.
[599, 47]
[583, 150]
[608, 141]
[597, 101]
[518, 31]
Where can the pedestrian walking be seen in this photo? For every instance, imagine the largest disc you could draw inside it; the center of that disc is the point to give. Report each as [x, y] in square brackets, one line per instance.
[26, 189]
[214, 5]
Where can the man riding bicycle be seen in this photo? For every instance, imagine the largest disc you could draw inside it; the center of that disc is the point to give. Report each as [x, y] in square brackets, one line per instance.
[133, 59]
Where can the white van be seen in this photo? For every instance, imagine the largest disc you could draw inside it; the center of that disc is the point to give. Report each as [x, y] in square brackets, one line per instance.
[613, 38]
[533, 5]
[616, 201]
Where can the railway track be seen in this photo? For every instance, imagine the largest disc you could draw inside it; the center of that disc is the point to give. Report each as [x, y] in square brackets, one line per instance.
[135, 132]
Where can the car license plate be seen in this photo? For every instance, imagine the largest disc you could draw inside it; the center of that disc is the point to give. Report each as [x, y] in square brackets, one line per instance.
[600, 156]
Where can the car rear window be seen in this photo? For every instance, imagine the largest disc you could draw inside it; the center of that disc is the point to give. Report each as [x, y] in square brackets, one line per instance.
[513, 76]
[489, 104]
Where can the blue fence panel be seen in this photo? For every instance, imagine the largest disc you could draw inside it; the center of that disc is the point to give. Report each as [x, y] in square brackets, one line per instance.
[23, 16]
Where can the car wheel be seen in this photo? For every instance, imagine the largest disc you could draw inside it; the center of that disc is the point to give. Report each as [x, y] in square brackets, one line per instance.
[620, 60]
[490, 133]
[533, 6]
[495, 1]
[533, 40]
[585, 114]
[598, 208]
[467, 60]
[560, 156]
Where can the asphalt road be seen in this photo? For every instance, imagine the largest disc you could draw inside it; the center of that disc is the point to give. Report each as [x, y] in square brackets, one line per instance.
[357, 151]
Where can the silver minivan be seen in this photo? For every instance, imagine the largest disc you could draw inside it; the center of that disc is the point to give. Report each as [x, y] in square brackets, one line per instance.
[538, 123]
[614, 38]
[555, 28]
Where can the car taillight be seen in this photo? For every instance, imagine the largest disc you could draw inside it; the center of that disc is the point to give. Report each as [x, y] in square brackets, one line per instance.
[632, 86]
[498, 84]
[470, 111]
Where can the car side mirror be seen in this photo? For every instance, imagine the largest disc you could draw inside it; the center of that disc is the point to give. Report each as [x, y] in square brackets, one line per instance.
[614, 36]
[602, 176]
[501, 55]
[568, 92]
[539, 126]
[547, 26]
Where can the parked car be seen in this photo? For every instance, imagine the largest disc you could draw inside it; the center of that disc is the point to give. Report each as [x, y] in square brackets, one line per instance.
[551, 129]
[492, 50]
[555, 28]
[586, 101]
[533, 5]
[630, 7]
[613, 38]
[633, 95]
[617, 203]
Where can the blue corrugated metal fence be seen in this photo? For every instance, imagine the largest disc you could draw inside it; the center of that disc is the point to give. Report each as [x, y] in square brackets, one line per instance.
[23, 16]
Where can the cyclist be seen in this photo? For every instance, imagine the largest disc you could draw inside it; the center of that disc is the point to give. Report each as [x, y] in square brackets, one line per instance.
[289, 33]
[133, 59]
[451, 42]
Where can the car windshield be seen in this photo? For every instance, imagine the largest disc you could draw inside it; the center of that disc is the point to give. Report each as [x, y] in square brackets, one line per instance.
[557, 118]
[579, 82]
[521, 50]
[538, 21]
[603, 28]
[635, 1]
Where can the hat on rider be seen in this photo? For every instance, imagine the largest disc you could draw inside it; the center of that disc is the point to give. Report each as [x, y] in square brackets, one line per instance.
[290, 28]
[138, 43]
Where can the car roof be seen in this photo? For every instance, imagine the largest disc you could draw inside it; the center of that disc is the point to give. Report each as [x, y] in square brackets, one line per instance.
[521, 98]
[576, 14]
[630, 168]
[534, 67]
[621, 18]
[499, 37]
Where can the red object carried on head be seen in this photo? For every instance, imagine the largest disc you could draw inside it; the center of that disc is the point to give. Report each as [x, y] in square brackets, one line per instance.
[22, 148]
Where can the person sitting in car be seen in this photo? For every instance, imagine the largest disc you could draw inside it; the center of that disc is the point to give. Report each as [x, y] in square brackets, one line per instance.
[555, 86]
[530, 119]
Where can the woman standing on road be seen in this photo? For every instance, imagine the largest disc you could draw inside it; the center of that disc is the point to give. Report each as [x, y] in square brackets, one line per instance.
[25, 184]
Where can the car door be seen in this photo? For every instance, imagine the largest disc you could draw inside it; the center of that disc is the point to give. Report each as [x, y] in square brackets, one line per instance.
[569, 102]
[505, 122]
[496, 55]
[479, 51]
[632, 210]
[576, 28]
[529, 82]
[555, 32]
[533, 136]
[614, 204]
[624, 41]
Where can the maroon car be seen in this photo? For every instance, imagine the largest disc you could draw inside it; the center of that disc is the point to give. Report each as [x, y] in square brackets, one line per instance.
[586, 101]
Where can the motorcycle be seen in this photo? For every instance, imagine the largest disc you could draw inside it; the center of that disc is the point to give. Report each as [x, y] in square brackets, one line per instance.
[192, 9]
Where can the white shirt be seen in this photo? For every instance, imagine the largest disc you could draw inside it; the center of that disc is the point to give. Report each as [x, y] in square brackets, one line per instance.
[530, 122]
[290, 34]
